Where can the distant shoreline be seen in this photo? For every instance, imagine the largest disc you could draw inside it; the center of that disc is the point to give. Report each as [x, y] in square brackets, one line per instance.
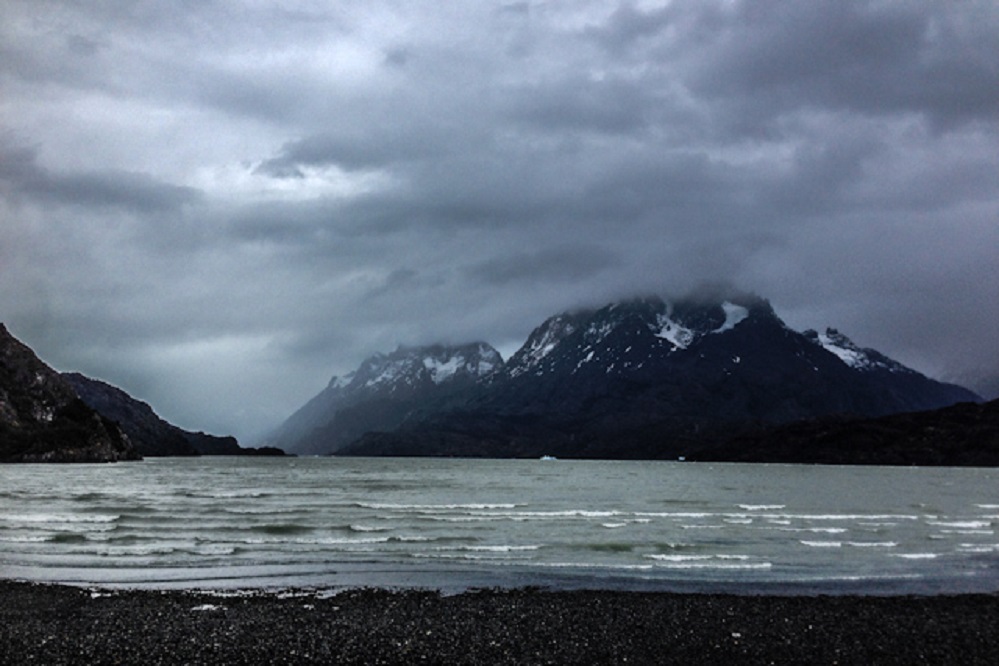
[57, 624]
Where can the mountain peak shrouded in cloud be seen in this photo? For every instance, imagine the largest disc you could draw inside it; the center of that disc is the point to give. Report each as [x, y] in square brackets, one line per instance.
[208, 208]
[645, 377]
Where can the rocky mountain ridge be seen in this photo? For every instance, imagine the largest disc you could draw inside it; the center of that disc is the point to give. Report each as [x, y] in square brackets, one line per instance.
[384, 391]
[151, 435]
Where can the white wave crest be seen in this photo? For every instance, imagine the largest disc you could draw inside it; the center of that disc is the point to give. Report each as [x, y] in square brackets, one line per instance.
[961, 524]
[435, 507]
[369, 528]
[715, 565]
[498, 549]
[61, 518]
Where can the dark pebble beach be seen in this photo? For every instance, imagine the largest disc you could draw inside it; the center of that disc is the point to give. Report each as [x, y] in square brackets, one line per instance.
[52, 624]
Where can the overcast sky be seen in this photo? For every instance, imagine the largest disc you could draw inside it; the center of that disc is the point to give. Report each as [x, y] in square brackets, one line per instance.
[219, 205]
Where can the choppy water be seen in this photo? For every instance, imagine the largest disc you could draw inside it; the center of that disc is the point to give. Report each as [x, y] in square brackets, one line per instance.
[243, 522]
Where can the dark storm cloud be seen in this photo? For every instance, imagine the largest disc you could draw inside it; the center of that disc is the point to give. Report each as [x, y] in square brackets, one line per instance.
[554, 264]
[23, 178]
[222, 205]
[874, 58]
[612, 106]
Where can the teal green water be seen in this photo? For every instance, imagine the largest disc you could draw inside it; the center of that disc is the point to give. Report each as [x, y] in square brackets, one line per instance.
[451, 524]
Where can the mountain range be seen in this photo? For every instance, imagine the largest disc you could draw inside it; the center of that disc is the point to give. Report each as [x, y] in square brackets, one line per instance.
[713, 376]
[644, 378]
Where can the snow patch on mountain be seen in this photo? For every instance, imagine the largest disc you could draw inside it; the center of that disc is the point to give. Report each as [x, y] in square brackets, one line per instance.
[844, 349]
[475, 361]
[681, 337]
[733, 315]
[541, 344]
[410, 367]
[856, 357]
[677, 335]
[598, 331]
[340, 381]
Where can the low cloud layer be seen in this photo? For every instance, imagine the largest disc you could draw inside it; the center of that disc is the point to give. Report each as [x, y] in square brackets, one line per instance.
[218, 206]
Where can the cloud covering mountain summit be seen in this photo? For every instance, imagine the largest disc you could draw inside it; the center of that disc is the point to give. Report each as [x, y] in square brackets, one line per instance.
[182, 189]
[640, 378]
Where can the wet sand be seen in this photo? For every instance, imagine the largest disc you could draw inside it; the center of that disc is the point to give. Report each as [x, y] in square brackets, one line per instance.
[52, 624]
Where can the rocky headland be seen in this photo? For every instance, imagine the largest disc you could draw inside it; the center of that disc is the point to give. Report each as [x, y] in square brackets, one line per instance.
[46, 416]
[42, 419]
[152, 435]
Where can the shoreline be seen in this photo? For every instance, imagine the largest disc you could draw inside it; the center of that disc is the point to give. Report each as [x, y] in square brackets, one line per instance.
[454, 579]
[60, 624]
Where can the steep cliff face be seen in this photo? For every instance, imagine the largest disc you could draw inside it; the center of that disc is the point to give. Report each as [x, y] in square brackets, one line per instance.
[43, 420]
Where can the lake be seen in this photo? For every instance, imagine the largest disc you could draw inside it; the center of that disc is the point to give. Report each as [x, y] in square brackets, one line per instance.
[453, 524]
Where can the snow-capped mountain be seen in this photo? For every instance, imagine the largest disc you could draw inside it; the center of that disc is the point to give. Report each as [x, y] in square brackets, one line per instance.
[641, 378]
[868, 360]
[622, 337]
[382, 391]
[409, 368]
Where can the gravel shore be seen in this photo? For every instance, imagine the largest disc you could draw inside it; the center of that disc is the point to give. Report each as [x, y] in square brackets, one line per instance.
[51, 624]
